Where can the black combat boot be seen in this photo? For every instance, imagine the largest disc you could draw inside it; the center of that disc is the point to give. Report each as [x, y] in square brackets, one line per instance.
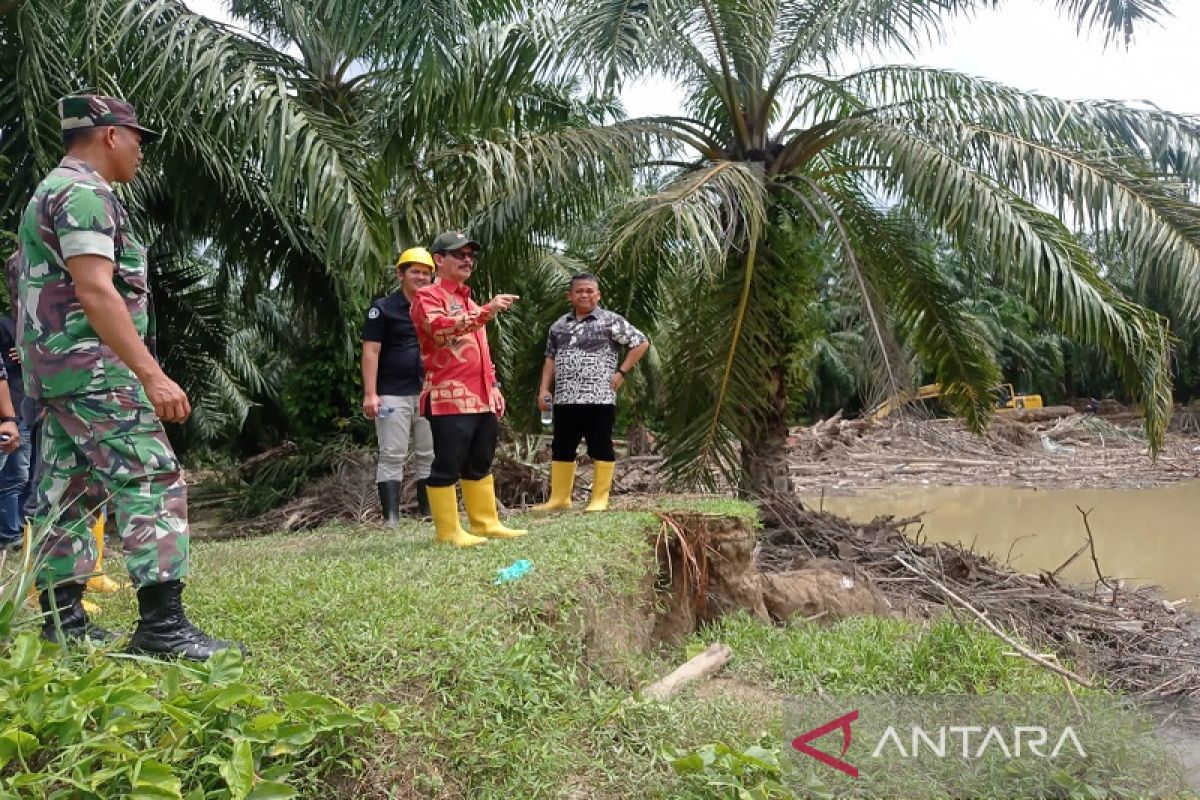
[68, 599]
[164, 630]
[389, 500]
[423, 500]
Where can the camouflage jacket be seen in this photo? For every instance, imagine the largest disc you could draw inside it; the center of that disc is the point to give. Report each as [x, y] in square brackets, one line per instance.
[74, 212]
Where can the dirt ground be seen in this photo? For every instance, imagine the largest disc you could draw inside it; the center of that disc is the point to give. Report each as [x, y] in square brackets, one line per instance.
[841, 456]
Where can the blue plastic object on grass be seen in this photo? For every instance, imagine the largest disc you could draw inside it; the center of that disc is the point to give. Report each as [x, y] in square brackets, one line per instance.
[514, 572]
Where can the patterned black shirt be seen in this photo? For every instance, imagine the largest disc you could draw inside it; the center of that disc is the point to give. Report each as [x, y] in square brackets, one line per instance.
[585, 353]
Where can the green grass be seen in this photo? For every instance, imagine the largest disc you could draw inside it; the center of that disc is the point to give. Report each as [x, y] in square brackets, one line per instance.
[498, 689]
[722, 506]
[872, 655]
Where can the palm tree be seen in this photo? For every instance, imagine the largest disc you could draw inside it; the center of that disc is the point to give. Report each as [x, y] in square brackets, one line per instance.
[411, 80]
[292, 153]
[245, 160]
[247, 171]
[780, 166]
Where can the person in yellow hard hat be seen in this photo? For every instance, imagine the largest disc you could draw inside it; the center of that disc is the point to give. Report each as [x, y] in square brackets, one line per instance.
[392, 378]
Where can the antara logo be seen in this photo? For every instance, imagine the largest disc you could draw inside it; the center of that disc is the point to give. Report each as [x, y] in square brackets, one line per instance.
[1023, 739]
[842, 723]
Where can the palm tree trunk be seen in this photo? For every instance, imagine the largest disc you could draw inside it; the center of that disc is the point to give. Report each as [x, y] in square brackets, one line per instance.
[782, 288]
[764, 447]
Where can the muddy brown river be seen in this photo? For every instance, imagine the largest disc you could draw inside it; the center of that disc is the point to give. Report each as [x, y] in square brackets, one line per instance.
[1143, 536]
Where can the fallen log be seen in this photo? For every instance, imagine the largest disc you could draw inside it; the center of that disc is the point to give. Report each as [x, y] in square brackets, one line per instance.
[1037, 414]
[702, 666]
[884, 458]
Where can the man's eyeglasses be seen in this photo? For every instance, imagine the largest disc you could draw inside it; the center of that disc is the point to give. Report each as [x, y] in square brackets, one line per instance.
[463, 255]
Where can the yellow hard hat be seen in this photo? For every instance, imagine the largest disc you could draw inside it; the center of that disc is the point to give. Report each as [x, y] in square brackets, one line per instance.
[415, 255]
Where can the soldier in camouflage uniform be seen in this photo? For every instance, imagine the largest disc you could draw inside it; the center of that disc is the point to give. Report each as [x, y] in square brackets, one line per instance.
[83, 301]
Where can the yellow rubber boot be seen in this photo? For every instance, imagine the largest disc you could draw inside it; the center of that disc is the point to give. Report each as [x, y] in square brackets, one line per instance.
[100, 582]
[443, 507]
[27, 558]
[601, 485]
[480, 499]
[27, 535]
[562, 481]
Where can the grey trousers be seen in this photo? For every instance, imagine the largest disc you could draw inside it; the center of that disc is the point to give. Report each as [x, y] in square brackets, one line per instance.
[398, 425]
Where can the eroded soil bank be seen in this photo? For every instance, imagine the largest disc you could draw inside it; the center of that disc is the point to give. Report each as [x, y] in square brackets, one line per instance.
[808, 565]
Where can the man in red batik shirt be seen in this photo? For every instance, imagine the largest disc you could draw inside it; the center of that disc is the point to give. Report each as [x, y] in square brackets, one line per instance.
[461, 397]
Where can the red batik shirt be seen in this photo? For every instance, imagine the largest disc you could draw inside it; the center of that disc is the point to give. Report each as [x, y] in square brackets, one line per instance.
[459, 374]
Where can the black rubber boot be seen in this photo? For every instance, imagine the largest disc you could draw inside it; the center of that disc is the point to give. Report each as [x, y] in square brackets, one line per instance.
[164, 630]
[389, 500]
[423, 500]
[73, 620]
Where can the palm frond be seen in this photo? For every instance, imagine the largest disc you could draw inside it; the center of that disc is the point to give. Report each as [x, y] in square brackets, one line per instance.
[1136, 340]
[928, 309]
[699, 436]
[1055, 271]
[699, 218]
[560, 173]
[615, 36]
[884, 352]
[813, 30]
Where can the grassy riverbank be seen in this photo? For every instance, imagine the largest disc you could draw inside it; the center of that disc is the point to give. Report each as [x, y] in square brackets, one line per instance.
[518, 690]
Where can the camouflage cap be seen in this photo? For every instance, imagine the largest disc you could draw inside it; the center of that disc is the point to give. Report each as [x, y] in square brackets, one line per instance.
[93, 111]
[452, 240]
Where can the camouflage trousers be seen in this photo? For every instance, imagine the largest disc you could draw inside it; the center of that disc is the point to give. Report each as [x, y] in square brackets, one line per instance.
[109, 449]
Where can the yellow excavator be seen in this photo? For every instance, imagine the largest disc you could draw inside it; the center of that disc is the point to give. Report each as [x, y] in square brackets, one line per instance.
[1007, 399]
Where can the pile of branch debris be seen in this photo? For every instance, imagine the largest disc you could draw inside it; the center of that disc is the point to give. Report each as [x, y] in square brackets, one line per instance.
[1075, 451]
[348, 494]
[1139, 643]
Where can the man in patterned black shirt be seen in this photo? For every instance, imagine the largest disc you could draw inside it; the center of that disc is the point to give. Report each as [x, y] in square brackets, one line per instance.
[582, 352]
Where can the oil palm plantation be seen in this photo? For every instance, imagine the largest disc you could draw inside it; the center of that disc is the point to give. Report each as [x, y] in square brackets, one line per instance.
[246, 162]
[779, 166]
[271, 188]
[292, 154]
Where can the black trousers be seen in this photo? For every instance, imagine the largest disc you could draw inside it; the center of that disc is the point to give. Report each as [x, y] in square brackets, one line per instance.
[463, 446]
[593, 422]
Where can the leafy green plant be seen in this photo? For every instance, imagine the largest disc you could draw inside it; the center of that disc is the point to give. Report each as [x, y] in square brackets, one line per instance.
[751, 774]
[16, 579]
[321, 393]
[88, 725]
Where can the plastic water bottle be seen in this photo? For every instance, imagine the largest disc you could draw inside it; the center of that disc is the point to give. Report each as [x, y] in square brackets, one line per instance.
[548, 414]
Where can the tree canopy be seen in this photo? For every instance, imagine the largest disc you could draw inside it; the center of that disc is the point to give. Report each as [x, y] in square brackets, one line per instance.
[795, 232]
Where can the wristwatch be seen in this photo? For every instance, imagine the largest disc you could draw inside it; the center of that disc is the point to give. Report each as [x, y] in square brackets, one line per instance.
[622, 373]
[8, 419]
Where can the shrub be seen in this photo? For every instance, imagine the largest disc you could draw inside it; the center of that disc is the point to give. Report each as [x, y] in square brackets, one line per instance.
[94, 724]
